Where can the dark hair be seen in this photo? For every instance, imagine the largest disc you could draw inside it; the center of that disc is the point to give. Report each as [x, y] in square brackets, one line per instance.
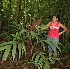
[57, 16]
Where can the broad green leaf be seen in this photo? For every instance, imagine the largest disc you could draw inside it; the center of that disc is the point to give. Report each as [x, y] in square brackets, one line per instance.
[60, 44]
[33, 34]
[42, 44]
[56, 44]
[13, 35]
[41, 53]
[34, 55]
[38, 67]
[50, 59]
[20, 49]
[46, 65]
[17, 34]
[3, 47]
[41, 60]
[22, 31]
[23, 48]
[50, 44]
[5, 55]
[7, 43]
[37, 58]
[43, 57]
[14, 50]
[37, 38]
[41, 65]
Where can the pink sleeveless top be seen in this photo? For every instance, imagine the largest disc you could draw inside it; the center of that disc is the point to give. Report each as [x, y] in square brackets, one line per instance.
[54, 30]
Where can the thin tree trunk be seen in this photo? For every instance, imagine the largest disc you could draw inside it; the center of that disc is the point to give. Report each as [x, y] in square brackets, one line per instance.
[68, 14]
[0, 15]
[0, 22]
[10, 8]
[17, 11]
[69, 21]
[25, 11]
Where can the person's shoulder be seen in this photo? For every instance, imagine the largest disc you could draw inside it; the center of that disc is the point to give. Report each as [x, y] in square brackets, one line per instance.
[50, 22]
[59, 23]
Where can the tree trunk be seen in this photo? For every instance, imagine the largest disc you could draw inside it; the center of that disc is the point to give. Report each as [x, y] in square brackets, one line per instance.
[68, 13]
[0, 22]
[10, 9]
[17, 11]
[0, 15]
[25, 11]
[69, 21]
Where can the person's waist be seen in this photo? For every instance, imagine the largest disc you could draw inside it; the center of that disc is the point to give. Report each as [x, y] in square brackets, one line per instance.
[56, 37]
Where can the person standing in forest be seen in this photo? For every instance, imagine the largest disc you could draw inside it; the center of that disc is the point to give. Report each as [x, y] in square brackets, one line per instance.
[54, 33]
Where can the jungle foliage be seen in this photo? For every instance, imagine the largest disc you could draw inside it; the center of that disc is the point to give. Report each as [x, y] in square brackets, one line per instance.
[19, 21]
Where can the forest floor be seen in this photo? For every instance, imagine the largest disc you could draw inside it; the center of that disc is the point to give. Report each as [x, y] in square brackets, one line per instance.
[63, 63]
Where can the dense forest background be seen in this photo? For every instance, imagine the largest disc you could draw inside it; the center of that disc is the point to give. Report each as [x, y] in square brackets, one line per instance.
[20, 11]
[19, 35]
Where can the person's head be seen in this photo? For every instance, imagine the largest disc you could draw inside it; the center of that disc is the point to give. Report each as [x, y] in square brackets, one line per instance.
[55, 18]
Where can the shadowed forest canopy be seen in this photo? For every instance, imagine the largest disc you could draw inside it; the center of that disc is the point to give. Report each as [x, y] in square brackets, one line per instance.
[22, 11]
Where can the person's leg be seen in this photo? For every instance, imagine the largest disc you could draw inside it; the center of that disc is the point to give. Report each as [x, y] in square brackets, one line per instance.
[50, 52]
[55, 50]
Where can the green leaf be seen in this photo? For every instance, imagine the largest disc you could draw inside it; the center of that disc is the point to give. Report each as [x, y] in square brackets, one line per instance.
[20, 49]
[22, 31]
[37, 58]
[50, 44]
[5, 55]
[17, 34]
[46, 65]
[13, 35]
[33, 34]
[3, 48]
[7, 43]
[41, 60]
[34, 55]
[14, 50]
[42, 44]
[56, 44]
[41, 53]
[39, 67]
[50, 59]
[23, 48]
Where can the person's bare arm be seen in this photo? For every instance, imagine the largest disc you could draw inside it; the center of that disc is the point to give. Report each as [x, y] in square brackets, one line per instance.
[45, 27]
[64, 29]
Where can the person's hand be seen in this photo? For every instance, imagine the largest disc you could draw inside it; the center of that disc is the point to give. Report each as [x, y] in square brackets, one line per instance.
[44, 28]
[37, 26]
[60, 33]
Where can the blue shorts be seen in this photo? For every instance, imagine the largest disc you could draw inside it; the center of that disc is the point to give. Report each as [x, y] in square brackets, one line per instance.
[55, 40]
